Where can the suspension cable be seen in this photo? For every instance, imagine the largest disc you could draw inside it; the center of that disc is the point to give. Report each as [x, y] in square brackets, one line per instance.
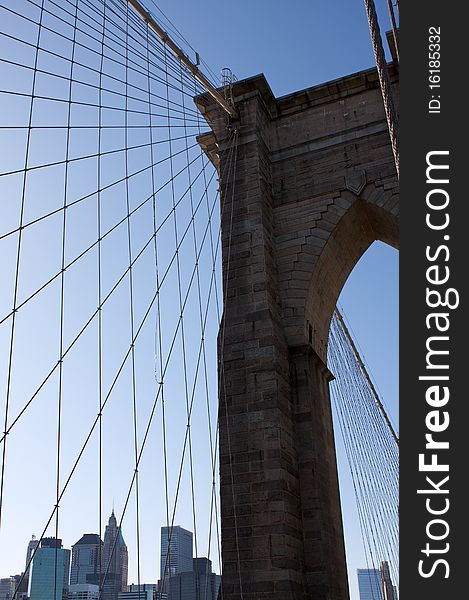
[184, 59]
[366, 375]
[371, 448]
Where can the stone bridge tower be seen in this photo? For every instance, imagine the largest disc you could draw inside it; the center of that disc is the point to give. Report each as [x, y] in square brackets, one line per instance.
[315, 185]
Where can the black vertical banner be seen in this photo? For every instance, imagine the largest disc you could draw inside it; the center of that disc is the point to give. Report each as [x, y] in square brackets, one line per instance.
[434, 506]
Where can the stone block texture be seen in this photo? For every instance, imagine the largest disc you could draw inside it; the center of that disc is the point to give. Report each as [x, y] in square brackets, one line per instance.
[307, 184]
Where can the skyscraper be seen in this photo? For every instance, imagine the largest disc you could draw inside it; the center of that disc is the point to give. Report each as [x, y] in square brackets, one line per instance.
[369, 584]
[32, 545]
[86, 560]
[376, 584]
[50, 571]
[389, 590]
[115, 561]
[176, 551]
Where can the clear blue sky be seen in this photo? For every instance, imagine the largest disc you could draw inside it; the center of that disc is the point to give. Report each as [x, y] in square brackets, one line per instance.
[309, 43]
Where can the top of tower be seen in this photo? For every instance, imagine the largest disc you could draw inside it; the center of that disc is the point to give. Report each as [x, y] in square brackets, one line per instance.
[89, 539]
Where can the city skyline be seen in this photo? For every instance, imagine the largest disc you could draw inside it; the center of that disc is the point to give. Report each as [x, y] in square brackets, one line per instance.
[80, 576]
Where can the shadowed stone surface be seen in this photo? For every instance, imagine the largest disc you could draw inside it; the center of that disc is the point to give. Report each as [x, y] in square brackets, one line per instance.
[314, 186]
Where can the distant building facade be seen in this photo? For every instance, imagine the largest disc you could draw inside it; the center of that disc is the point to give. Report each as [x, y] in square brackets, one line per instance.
[161, 594]
[389, 590]
[86, 560]
[176, 551]
[198, 584]
[7, 588]
[115, 561]
[376, 584]
[144, 591]
[24, 577]
[21, 594]
[369, 584]
[50, 571]
[83, 591]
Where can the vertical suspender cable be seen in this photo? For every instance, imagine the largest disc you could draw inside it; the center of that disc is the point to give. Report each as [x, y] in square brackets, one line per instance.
[131, 296]
[62, 296]
[18, 258]
[100, 316]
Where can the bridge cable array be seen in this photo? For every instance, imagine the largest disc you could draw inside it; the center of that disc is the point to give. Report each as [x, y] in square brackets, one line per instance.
[371, 450]
[92, 77]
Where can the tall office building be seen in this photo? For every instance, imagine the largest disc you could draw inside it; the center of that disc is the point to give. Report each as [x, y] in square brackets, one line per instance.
[376, 584]
[389, 590]
[176, 551]
[20, 594]
[50, 571]
[369, 584]
[86, 560]
[115, 561]
[32, 545]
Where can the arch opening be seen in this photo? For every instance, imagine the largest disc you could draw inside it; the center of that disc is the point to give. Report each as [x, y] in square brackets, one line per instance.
[361, 225]
[369, 299]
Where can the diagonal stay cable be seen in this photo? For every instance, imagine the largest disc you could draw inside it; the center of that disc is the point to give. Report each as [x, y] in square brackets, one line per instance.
[79, 44]
[202, 331]
[62, 304]
[147, 431]
[232, 151]
[104, 106]
[182, 327]
[372, 468]
[89, 321]
[132, 304]
[155, 406]
[112, 36]
[84, 46]
[87, 84]
[158, 329]
[17, 266]
[171, 62]
[227, 167]
[81, 82]
[177, 33]
[100, 286]
[99, 190]
[121, 367]
[170, 351]
[96, 242]
[212, 443]
[222, 383]
[138, 28]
